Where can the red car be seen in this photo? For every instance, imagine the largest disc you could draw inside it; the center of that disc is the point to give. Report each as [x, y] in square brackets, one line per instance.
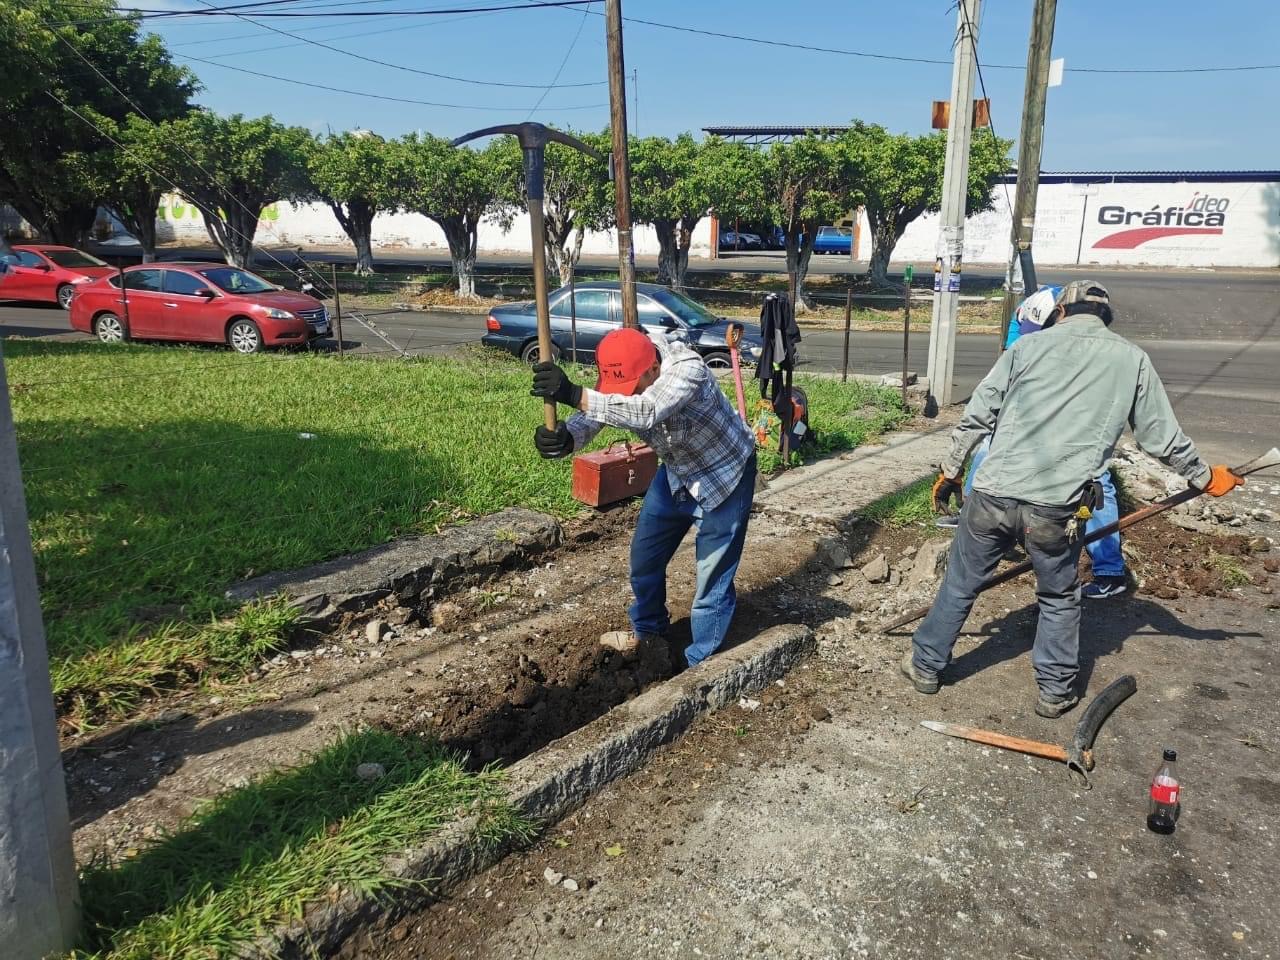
[203, 302]
[49, 273]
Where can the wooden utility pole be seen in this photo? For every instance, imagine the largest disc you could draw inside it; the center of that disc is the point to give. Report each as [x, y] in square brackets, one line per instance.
[620, 166]
[955, 184]
[848, 322]
[1030, 148]
[38, 912]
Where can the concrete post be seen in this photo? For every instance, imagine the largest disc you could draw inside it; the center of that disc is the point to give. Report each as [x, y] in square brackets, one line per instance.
[38, 909]
[955, 187]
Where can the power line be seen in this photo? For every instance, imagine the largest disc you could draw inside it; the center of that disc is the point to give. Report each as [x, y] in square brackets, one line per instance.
[373, 96]
[331, 26]
[560, 69]
[147, 14]
[397, 66]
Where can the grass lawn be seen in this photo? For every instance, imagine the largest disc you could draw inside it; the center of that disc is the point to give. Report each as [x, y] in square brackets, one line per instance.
[257, 855]
[157, 476]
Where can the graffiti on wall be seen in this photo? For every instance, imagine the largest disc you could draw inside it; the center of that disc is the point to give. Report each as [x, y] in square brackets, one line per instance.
[174, 210]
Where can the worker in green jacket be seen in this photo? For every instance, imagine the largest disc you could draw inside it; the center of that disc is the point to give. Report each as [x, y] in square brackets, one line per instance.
[1055, 405]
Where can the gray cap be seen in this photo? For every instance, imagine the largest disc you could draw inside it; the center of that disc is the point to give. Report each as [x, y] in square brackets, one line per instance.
[1083, 291]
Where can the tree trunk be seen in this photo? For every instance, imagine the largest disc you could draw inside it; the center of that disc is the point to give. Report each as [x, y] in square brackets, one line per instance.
[461, 237]
[798, 257]
[668, 252]
[684, 239]
[883, 239]
[357, 223]
[71, 227]
[232, 230]
[138, 214]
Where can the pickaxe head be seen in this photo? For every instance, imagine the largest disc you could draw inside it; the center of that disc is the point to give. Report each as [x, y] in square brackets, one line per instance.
[533, 138]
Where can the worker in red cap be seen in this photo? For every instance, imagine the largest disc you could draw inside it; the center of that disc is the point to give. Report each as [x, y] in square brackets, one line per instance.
[664, 393]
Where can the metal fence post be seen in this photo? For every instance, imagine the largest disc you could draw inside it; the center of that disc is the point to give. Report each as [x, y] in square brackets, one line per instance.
[337, 306]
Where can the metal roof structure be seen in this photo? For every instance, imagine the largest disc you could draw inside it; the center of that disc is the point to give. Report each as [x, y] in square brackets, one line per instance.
[1153, 176]
[758, 135]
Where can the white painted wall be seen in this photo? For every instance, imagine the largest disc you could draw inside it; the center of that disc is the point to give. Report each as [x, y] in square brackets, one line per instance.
[314, 224]
[1072, 227]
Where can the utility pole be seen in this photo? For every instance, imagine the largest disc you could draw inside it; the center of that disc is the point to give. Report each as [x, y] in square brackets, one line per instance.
[955, 184]
[1030, 148]
[620, 166]
[38, 911]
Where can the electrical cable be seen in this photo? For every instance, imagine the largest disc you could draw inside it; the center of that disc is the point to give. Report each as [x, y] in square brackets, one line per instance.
[560, 69]
[147, 14]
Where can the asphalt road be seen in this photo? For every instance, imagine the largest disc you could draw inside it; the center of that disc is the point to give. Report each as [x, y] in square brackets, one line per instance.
[1226, 392]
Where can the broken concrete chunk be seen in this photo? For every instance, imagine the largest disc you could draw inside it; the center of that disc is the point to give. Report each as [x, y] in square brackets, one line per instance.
[374, 631]
[446, 616]
[834, 554]
[930, 563]
[553, 877]
[877, 571]
[570, 884]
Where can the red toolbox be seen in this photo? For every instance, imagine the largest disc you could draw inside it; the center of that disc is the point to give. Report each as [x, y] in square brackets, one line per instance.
[619, 471]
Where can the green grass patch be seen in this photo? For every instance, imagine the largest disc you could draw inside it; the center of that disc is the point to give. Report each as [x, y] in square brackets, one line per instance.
[910, 505]
[157, 476]
[257, 855]
[1230, 569]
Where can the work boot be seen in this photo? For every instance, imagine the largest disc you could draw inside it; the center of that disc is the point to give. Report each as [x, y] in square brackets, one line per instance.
[923, 682]
[1051, 708]
[627, 643]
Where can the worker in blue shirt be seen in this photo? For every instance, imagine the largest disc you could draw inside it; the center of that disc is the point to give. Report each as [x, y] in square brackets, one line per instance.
[1109, 580]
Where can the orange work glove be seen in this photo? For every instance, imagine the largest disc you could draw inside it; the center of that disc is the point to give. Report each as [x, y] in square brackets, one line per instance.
[944, 490]
[1222, 481]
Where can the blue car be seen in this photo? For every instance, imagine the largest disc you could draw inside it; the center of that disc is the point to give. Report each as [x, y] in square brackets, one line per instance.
[837, 240]
[598, 306]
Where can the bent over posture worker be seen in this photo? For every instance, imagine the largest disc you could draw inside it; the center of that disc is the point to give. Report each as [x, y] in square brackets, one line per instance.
[1055, 405]
[665, 394]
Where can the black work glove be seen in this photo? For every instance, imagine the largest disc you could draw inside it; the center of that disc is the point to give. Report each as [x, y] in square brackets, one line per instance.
[551, 383]
[553, 444]
[945, 489]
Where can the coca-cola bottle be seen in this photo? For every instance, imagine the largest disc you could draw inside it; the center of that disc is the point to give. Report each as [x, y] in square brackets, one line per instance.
[1162, 815]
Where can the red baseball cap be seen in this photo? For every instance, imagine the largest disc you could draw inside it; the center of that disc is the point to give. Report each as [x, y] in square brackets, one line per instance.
[622, 358]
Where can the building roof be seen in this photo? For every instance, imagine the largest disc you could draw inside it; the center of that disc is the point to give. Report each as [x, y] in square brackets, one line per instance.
[1152, 176]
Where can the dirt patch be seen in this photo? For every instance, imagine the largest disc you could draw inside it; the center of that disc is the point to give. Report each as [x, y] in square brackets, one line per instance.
[1170, 561]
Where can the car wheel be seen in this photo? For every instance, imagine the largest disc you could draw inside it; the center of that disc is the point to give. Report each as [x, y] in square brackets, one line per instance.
[529, 353]
[718, 361]
[65, 292]
[243, 336]
[110, 329]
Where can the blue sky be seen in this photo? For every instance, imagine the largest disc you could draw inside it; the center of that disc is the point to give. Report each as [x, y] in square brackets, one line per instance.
[685, 81]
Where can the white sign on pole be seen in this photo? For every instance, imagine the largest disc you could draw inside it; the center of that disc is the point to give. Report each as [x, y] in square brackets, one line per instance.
[1055, 71]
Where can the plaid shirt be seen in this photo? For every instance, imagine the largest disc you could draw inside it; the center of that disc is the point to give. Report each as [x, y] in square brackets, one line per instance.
[687, 420]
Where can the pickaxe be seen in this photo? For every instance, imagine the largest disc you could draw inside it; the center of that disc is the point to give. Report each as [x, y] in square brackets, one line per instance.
[1269, 459]
[1077, 755]
[534, 138]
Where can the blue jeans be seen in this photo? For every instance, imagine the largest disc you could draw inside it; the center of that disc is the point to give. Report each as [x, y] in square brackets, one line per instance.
[664, 520]
[1104, 555]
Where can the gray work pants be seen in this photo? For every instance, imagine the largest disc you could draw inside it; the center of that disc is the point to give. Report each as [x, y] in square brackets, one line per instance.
[989, 526]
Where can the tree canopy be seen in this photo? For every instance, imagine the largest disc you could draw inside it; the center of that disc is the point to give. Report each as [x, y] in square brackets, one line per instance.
[355, 174]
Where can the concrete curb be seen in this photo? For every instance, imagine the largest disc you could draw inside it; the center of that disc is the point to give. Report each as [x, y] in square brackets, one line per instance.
[549, 784]
[415, 569]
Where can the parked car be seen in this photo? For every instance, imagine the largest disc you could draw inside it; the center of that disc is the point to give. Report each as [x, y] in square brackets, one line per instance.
[833, 240]
[197, 302]
[48, 273]
[513, 327]
[738, 240]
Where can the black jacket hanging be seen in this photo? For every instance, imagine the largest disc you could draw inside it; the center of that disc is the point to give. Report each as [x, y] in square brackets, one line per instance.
[780, 334]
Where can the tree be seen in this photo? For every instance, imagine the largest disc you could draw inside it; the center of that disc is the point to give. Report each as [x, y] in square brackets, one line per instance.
[231, 169]
[669, 191]
[809, 182]
[901, 178]
[576, 199]
[354, 173]
[458, 187]
[50, 158]
[135, 176]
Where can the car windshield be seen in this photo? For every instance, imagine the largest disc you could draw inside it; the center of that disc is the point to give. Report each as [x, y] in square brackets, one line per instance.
[72, 258]
[691, 312]
[235, 280]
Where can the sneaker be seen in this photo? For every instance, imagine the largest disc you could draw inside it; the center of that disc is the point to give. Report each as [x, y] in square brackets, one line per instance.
[1051, 708]
[1103, 588]
[627, 643]
[921, 681]
[947, 521]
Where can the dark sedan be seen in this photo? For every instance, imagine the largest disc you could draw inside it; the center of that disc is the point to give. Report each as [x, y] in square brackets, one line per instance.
[513, 327]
